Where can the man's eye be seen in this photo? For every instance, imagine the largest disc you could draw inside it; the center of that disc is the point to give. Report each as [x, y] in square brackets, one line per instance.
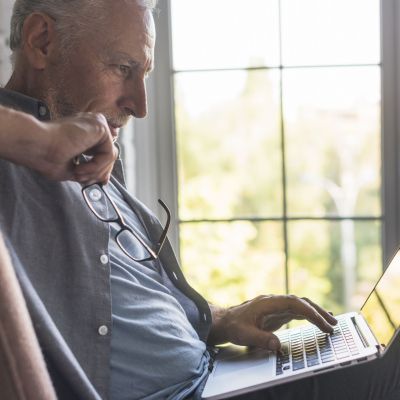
[124, 69]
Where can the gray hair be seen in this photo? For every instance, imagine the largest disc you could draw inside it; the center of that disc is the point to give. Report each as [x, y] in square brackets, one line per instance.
[72, 17]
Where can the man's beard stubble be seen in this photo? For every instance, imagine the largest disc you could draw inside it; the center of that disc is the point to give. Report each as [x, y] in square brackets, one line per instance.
[61, 106]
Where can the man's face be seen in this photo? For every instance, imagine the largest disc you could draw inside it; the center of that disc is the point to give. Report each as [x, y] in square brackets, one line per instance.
[106, 71]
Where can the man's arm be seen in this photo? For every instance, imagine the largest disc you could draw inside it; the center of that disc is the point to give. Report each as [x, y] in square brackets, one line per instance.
[49, 147]
[252, 322]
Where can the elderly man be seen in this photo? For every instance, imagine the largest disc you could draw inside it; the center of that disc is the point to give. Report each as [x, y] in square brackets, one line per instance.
[113, 312]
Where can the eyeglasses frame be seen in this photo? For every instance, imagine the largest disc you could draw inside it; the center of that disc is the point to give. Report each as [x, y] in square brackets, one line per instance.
[154, 254]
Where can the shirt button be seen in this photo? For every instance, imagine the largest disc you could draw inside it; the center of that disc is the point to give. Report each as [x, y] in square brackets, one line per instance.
[103, 330]
[95, 194]
[104, 259]
[42, 111]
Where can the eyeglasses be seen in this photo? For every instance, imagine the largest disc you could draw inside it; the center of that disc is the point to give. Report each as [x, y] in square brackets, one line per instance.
[128, 240]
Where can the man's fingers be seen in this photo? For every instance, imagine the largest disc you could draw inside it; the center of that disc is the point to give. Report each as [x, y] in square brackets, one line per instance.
[259, 338]
[293, 305]
[92, 120]
[93, 176]
[98, 169]
[275, 321]
[302, 307]
[328, 316]
[97, 164]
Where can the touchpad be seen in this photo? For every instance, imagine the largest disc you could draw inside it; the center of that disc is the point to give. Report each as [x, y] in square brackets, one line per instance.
[234, 358]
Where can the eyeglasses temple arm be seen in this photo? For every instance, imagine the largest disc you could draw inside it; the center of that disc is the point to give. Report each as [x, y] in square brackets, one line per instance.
[165, 231]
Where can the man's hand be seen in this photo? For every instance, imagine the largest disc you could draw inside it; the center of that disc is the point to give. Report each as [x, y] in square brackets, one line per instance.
[252, 323]
[69, 138]
[50, 147]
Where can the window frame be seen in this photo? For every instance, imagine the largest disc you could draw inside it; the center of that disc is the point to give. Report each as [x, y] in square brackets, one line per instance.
[155, 173]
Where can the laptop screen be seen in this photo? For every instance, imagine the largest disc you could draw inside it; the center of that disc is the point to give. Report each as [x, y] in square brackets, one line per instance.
[382, 308]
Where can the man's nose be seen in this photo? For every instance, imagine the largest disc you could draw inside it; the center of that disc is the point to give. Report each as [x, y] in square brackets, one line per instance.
[135, 100]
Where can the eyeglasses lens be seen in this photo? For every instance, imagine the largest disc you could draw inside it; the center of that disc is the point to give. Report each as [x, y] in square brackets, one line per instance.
[99, 203]
[131, 245]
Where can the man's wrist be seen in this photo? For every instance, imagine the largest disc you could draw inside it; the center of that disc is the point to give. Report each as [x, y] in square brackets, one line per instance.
[219, 329]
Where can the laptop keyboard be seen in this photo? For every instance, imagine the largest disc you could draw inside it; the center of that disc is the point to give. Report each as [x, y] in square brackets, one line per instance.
[308, 346]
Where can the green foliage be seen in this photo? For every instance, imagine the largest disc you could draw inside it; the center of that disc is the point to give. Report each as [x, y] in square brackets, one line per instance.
[230, 166]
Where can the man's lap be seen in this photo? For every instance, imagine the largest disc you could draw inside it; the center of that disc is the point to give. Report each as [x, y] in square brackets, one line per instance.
[374, 380]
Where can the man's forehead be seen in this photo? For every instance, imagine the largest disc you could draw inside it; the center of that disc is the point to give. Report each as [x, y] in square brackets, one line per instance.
[127, 34]
[128, 14]
[124, 22]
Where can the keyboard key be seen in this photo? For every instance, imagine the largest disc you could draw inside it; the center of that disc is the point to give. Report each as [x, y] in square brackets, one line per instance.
[285, 348]
[311, 363]
[328, 358]
[310, 346]
[298, 365]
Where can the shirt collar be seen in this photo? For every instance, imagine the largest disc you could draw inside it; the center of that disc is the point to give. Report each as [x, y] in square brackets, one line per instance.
[27, 104]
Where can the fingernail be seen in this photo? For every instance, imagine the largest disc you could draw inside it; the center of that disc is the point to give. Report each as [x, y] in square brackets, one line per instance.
[273, 344]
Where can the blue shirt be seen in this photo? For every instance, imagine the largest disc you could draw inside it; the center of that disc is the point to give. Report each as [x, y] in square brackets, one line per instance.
[155, 351]
[58, 248]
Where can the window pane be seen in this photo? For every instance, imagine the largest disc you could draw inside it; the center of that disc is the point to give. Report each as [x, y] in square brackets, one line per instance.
[229, 263]
[332, 123]
[228, 141]
[225, 33]
[334, 263]
[330, 32]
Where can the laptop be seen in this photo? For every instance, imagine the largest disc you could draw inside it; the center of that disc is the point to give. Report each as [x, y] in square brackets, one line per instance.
[358, 337]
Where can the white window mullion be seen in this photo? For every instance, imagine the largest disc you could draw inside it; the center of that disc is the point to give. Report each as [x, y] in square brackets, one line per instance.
[156, 171]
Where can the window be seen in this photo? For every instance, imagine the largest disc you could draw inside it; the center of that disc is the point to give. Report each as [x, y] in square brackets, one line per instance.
[271, 150]
[5, 64]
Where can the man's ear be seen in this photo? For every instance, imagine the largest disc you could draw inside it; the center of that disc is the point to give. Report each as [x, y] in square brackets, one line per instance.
[38, 35]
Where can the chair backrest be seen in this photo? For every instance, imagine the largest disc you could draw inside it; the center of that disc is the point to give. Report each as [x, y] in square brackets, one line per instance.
[23, 373]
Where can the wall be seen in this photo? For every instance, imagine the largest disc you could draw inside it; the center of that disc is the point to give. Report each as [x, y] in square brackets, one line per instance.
[5, 15]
